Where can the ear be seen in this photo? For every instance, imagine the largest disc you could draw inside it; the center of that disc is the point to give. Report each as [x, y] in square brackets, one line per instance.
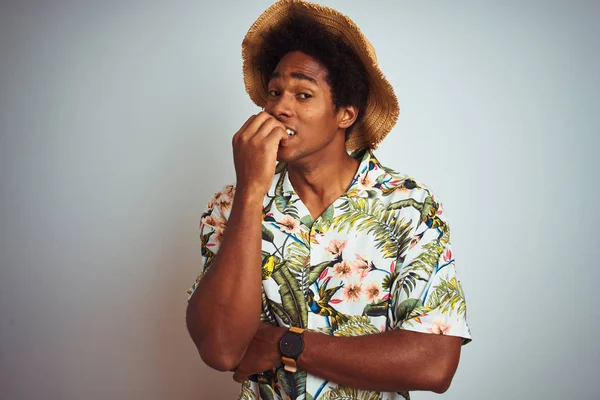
[346, 116]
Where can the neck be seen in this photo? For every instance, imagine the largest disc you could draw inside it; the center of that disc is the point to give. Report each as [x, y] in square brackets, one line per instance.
[323, 178]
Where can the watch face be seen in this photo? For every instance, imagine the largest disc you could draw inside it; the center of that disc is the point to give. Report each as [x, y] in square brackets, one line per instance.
[291, 345]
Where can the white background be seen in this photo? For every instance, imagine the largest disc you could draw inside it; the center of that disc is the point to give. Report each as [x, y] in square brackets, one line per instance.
[115, 122]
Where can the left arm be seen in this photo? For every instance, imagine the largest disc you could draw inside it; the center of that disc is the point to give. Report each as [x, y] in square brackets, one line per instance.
[391, 361]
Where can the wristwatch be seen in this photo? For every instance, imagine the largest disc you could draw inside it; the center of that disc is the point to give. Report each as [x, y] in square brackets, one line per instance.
[291, 345]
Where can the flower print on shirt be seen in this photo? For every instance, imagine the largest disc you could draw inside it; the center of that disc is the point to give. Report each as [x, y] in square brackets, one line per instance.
[372, 291]
[336, 247]
[352, 292]
[365, 181]
[343, 269]
[361, 267]
[289, 224]
[439, 328]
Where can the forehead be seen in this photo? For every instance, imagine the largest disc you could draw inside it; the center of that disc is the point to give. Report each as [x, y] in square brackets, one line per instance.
[298, 65]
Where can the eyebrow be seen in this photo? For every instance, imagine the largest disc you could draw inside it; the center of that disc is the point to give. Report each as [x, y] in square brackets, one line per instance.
[297, 75]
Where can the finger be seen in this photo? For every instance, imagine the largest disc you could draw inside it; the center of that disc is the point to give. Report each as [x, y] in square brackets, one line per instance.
[255, 125]
[248, 122]
[244, 127]
[276, 136]
[267, 127]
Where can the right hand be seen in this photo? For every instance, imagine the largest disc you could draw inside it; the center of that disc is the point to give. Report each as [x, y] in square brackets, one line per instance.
[255, 148]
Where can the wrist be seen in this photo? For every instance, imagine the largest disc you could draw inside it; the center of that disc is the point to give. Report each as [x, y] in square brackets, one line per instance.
[291, 346]
[249, 196]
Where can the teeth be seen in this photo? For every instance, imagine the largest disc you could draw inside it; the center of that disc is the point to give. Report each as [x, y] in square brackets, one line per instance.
[290, 132]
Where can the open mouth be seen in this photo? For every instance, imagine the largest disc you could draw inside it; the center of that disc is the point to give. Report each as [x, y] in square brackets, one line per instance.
[290, 132]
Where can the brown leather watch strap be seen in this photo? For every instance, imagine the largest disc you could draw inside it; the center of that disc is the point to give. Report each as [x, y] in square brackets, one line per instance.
[296, 330]
[289, 364]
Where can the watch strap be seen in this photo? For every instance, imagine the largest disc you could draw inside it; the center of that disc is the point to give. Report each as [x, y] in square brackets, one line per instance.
[289, 364]
[296, 330]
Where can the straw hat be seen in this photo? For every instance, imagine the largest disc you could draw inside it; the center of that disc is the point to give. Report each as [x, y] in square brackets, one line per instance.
[382, 109]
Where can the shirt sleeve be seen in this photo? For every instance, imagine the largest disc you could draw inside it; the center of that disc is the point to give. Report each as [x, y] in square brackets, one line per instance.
[427, 295]
[212, 226]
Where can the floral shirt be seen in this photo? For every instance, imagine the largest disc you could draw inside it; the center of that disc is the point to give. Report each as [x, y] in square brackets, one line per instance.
[379, 258]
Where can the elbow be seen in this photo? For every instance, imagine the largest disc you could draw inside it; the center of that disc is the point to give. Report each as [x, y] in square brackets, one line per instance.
[441, 378]
[219, 361]
[212, 350]
[441, 385]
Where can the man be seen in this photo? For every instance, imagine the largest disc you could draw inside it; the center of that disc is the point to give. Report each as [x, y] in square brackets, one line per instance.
[325, 275]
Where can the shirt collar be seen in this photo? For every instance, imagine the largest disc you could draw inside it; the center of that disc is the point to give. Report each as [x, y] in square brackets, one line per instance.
[363, 181]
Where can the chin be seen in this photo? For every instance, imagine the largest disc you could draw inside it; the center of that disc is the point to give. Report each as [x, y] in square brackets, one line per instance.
[285, 155]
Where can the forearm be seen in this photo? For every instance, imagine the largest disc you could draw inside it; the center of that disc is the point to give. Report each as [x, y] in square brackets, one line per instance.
[224, 312]
[390, 361]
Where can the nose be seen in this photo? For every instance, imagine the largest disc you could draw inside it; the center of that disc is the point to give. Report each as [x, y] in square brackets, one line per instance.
[281, 107]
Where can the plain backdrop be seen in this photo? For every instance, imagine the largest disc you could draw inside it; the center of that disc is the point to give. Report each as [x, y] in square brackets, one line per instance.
[116, 119]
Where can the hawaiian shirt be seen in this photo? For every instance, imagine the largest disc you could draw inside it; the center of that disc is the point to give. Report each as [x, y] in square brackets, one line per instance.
[379, 258]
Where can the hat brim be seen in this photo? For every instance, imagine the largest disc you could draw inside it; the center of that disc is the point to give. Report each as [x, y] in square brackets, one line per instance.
[382, 110]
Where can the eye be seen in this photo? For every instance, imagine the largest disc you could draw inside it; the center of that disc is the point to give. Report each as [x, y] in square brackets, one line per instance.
[273, 93]
[304, 96]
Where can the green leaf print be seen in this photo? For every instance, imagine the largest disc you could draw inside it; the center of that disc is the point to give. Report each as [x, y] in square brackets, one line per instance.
[281, 166]
[292, 297]
[397, 205]
[390, 233]
[427, 208]
[404, 310]
[307, 221]
[281, 203]
[266, 392]
[266, 315]
[279, 186]
[422, 267]
[316, 270]
[408, 283]
[346, 393]
[298, 258]
[328, 213]
[280, 311]
[247, 392]
[388, 281]
[356, 325]
[376, 309]
[293, 384]
[405, 395]
[448, 296]
[267, 235]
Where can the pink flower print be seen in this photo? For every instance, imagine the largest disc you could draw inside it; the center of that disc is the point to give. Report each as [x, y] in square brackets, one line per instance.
[439, 328]
[393, 266]
[342, 270]
[289, 224]
[225, 205]
[229, 191]
[336, 247]
[323, 274]
[361, 266]
[447, 255]
[372, 291]
[415, 240]
[219, 236]
[314, 237]
[352, 292]
[365, 181]
[218, 223]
